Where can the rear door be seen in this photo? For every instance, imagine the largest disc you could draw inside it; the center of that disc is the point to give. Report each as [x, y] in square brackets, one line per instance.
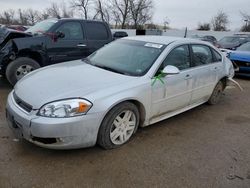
[205, 72]
[97, 34]
[73, 46]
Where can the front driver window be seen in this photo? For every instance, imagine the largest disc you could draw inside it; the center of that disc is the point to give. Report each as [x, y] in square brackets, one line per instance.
[71, 30]
[178, 57]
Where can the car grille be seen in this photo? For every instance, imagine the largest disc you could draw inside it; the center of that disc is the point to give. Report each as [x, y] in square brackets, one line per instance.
[26, 107]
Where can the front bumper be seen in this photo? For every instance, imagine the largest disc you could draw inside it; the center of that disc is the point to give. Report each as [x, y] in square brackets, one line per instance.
[53, 133]
[241, 68]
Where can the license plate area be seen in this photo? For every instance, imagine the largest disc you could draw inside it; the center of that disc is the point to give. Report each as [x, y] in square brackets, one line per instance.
[14, 125]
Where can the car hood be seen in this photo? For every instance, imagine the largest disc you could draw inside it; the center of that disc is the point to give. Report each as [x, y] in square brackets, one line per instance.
[66, 80]
[240, 56]
[8, 34]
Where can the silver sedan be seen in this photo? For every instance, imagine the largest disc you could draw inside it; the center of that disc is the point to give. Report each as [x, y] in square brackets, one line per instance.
[132, 82]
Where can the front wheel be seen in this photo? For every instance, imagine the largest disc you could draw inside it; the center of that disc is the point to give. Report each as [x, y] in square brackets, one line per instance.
[19, 68]
[217, 93]
[118, 126]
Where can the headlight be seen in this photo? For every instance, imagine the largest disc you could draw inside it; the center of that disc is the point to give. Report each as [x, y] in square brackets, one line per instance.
[65, 108]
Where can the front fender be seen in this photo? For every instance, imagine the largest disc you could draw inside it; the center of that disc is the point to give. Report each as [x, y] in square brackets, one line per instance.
[33, 47]
[7, 54]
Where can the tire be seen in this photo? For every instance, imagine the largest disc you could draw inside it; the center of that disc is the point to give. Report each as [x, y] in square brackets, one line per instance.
[217, 93]
[19, 68]
[113, 135]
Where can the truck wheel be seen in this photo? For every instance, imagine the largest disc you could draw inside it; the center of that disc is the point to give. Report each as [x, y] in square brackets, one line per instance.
[216, 95]
[19, 68]
[118, 126]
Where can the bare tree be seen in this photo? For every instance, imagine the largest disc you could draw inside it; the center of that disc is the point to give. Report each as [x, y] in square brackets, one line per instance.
[54, 10]
[83, 6]
[220, 21]
[58, 11]
[166, 22]
[22, 17]
[102, 10]
[121, 11]
[66, 12]
[141, 11]
[43, 15]
[32, 16]
[7, 17]
[246, 18]
[204, 27]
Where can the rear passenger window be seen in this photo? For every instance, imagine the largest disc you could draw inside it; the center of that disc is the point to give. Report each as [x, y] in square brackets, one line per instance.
[96, 31]
[202, 55]
[217, 56]
[178, 57]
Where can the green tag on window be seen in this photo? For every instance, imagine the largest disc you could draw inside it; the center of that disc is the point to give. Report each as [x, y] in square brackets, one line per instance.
[159, 78]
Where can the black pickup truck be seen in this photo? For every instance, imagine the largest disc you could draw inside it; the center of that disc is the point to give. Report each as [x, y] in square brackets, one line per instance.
[49, 42]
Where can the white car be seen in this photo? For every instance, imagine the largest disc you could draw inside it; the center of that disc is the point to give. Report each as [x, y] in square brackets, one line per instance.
[131, 82]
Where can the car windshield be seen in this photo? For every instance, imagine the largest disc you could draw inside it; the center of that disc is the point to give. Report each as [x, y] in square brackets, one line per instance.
[232, 39]
[42, 26]
[244, 47]
[127, 57]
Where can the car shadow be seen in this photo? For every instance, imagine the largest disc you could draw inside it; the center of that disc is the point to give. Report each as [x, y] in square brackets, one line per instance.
[4, 84]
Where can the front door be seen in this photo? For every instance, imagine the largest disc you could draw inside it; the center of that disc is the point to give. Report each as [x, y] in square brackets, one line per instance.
[173, 92]
[73, 46]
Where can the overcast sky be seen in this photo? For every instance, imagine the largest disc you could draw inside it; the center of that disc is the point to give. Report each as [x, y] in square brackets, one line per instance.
[181, 13]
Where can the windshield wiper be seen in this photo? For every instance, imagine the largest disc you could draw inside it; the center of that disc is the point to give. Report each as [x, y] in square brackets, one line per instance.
[110, 69]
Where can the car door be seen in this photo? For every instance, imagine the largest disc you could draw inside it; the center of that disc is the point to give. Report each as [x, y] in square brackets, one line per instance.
[97, 35]
[216, 66]
[173, 92]
[71, 47]
[204, 73]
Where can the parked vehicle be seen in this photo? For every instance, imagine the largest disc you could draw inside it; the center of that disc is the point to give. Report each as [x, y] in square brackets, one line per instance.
[232, 42]
[119, 34]
[241, 59]
[131, 82]
[6, 35]
[17, 27]
[208, 38]
[49, 42]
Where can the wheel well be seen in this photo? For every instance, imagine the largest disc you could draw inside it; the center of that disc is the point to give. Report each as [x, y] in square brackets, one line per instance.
[33, 55]
[224, 81]
[141, 109]
[139, 106]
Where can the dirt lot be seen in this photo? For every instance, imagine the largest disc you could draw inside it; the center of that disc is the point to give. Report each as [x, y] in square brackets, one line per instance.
[208, 146]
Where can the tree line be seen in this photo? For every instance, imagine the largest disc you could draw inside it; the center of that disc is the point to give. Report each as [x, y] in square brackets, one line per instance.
[221, 21]
[124, 14]
[120, 13]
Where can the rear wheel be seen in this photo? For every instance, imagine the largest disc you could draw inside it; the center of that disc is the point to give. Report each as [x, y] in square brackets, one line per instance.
[19, 68]
[118, 126]
[217, 93]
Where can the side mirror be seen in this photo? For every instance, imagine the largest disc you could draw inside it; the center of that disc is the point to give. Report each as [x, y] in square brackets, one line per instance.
[59, 34]
[170, 70]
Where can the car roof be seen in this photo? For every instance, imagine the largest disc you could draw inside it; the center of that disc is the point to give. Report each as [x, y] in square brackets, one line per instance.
[165, 40]
[77, 19]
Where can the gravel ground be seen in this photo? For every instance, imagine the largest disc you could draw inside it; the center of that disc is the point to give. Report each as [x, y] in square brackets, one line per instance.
[208, 146]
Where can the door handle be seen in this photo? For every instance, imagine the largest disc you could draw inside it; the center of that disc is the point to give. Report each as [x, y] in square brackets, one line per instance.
[188, 76]
[81, 45]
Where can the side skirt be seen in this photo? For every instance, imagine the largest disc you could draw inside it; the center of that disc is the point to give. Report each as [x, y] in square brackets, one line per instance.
[171, 114]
